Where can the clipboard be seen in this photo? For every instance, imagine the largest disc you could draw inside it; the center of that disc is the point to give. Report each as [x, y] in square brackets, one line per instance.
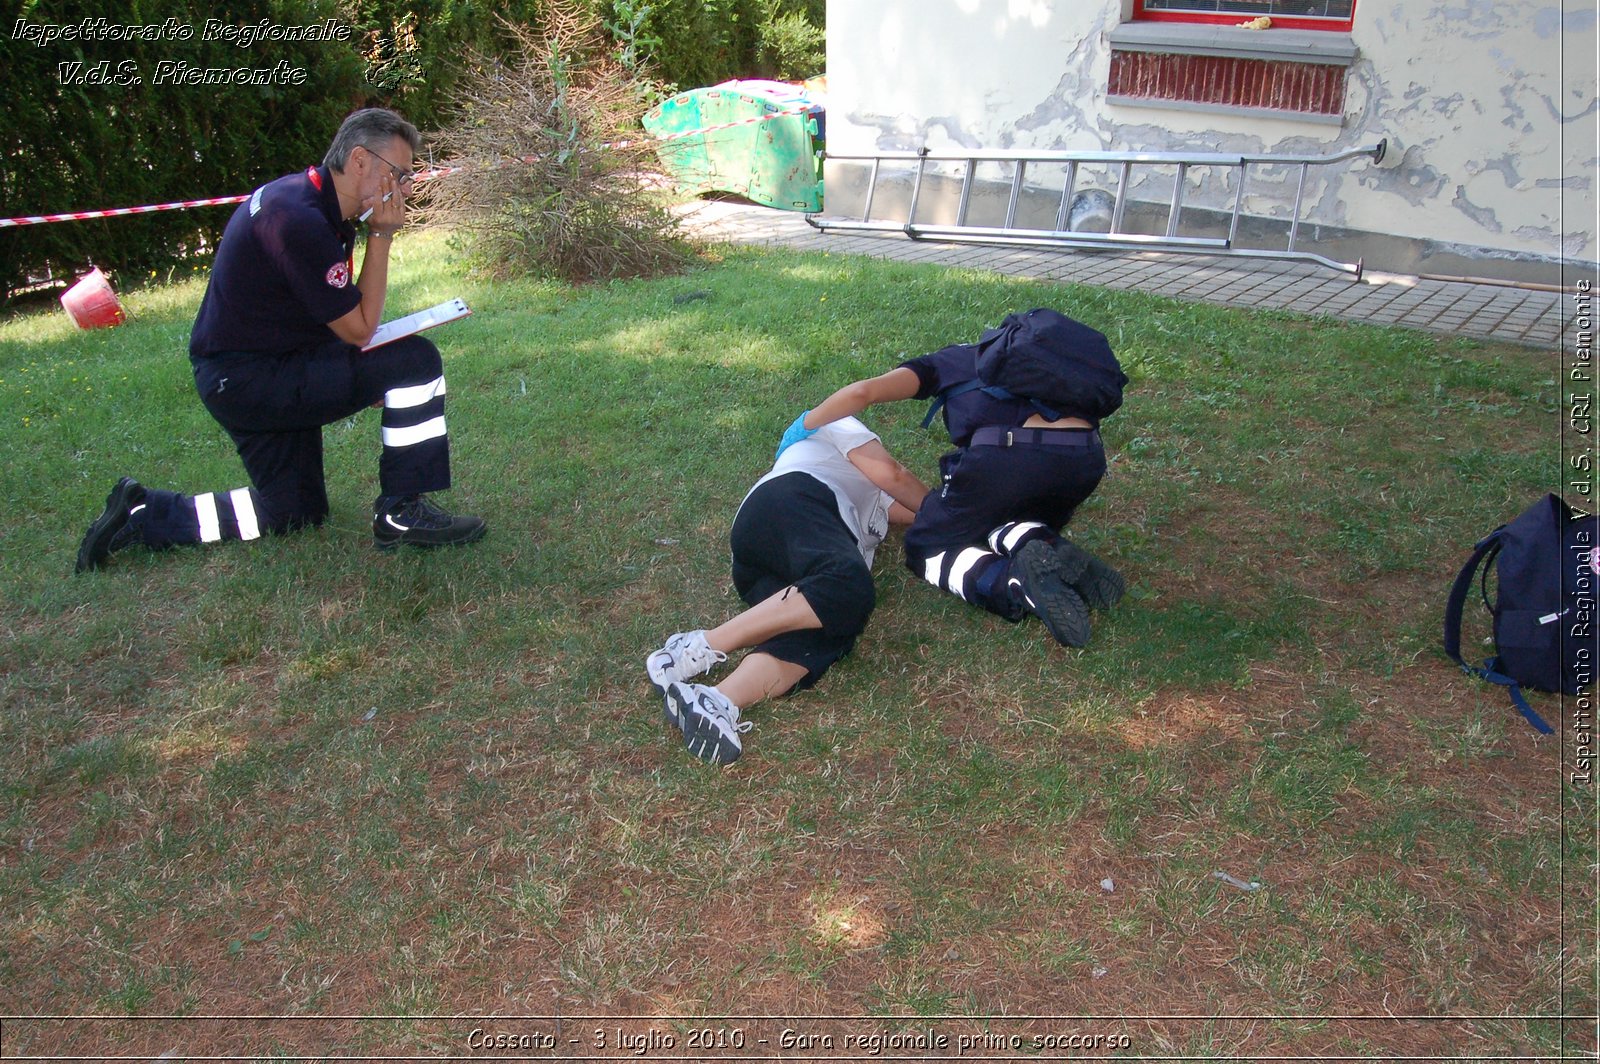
[411, 324]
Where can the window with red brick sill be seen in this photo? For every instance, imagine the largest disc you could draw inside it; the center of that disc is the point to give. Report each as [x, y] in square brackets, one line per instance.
[1338, 15]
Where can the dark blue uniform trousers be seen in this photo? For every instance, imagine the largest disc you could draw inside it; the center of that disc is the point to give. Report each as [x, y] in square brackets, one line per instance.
[993, 501]
[275, 406]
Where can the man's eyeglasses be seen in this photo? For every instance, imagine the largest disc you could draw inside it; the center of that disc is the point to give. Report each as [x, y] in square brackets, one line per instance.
[404, 177]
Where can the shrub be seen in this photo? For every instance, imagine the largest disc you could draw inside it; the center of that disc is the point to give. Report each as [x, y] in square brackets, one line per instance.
[791, 48]
[703, 42]
[413, 48]
[552, 177]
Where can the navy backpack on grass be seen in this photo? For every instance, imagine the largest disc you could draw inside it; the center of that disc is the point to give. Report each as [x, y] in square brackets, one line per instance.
[1546, 576]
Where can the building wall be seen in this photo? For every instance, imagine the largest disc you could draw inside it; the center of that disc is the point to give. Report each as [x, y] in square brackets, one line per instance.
[1489, 107]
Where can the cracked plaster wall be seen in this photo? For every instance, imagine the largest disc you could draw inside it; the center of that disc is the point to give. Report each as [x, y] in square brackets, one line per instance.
[1489, 107]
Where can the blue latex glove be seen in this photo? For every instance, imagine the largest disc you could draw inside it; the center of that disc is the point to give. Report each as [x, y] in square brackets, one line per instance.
[795, 433]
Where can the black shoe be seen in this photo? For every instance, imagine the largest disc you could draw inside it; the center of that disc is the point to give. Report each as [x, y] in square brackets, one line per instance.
[111, 531]
[1036, 574]
[1100, 585]
[416, 521]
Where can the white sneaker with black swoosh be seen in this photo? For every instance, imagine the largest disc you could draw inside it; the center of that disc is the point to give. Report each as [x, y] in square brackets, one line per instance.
[685, 656]
[417, 522]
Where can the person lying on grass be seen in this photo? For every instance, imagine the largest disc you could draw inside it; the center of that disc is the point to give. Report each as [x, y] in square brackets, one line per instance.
[803, 541]
[991, 533]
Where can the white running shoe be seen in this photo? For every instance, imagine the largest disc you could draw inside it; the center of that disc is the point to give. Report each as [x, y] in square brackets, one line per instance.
[685, 656]
[711, 724]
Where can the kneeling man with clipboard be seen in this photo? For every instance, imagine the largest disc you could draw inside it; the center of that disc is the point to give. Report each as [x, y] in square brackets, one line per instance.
[288, 340]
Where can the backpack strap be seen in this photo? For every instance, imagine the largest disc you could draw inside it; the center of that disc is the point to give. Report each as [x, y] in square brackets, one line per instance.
[1491, 672]
[1484, 551]
[1483, 574]
[944, 397]
[1458, 595]
[1048, 413]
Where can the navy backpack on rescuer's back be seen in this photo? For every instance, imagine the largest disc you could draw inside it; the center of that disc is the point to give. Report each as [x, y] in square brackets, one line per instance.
[1547, 571]
[1046, 357]
[1059, 365]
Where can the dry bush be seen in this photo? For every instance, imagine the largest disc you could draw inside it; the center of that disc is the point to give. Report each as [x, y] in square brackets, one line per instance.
[554, 176]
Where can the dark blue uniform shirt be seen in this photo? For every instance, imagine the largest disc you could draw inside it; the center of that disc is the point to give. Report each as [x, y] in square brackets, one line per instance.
[283, 271]
[964, 414]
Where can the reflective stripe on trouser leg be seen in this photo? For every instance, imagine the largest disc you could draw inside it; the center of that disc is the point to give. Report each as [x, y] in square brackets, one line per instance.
[1010, 537]
[413, 414]
[974, 575]
[226, 515]
[958, 573]
[416, 455]
[411, 435]
[413, 395]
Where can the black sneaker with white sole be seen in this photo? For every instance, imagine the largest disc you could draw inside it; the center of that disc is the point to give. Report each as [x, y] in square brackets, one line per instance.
[1100, 585]
[416, 522]
[115, 528]
[1036, 574]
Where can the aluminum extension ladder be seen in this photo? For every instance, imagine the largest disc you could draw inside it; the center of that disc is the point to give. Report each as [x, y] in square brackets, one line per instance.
[925, 165]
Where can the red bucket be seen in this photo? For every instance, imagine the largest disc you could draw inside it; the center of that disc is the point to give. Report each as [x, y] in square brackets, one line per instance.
[91, 303]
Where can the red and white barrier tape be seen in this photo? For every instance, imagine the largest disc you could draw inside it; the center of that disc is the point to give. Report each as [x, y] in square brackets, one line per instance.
[117, 212]
[427, 175]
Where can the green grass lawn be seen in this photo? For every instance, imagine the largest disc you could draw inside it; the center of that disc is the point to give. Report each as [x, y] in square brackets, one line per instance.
[301, 778]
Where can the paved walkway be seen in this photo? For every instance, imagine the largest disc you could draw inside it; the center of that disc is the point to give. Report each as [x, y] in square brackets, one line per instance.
[1492, 312]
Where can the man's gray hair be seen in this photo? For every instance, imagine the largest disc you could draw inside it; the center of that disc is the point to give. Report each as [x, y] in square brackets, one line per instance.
[371, 128]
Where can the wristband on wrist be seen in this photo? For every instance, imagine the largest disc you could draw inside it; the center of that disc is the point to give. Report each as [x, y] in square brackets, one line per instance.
[390, 235]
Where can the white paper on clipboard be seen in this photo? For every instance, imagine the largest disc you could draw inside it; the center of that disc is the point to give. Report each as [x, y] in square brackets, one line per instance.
[390, 331]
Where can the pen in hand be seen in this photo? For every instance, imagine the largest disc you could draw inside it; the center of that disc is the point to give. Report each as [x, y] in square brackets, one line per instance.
[368, 212]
